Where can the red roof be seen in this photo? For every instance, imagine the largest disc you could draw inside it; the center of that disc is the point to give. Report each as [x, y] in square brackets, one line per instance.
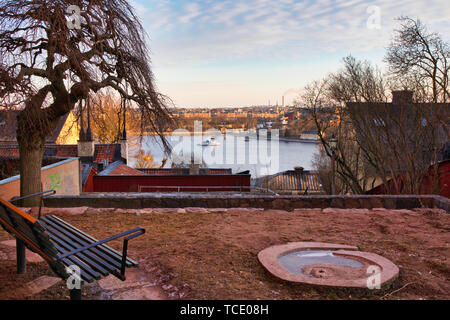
[126, 171]
[110, 152]
[67, 151]
[9, 152]
[104, 152]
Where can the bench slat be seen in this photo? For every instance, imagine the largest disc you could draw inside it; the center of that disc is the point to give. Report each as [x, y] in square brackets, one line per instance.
[19, 223]
[4, 215]
[104, 248]
[84, 275]
[84, 268]
[86, 257]
[82, 242]
[32, 231]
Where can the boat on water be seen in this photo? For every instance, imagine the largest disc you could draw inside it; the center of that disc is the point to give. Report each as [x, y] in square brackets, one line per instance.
[210, 143]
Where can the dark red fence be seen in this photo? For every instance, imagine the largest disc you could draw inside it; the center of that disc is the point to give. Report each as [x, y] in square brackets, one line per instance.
[191, 183]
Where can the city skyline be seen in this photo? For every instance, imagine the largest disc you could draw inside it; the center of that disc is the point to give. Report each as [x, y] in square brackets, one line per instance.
[207, 54]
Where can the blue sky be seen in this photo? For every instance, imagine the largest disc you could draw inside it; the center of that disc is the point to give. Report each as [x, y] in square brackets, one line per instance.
[241, 53]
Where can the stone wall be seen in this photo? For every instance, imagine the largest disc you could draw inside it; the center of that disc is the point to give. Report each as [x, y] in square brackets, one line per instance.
[63, 177]
[140, 200]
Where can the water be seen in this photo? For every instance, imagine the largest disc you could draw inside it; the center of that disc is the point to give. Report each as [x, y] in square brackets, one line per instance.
[294, 262]
[259, 156]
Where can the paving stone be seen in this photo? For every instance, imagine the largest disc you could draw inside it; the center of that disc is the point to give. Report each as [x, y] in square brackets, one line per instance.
[69, 211]
[38, 285]
[196, 210]
[120, 211]
[164, 210]
[3, 256]
[31, 256]
[357, 211]
[147, 293]
[218, 210]
[135, 278]
[9, 243]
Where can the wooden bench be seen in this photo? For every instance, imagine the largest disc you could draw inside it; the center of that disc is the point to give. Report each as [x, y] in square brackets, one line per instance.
[63, 247]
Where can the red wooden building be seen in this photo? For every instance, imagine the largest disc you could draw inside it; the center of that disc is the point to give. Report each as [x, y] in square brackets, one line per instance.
[119, 177]
[427, 185]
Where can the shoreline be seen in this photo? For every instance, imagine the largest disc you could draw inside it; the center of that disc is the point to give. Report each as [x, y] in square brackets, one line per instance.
[168, 134]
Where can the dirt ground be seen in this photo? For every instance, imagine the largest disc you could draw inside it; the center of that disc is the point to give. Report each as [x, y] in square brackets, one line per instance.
[213, 255]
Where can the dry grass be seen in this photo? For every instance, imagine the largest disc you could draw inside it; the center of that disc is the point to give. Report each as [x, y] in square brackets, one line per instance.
[214, 256]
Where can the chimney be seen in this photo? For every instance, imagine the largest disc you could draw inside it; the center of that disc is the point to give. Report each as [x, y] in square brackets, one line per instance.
[194, 169]
[86, 149]
[402, 97]
[299, 170]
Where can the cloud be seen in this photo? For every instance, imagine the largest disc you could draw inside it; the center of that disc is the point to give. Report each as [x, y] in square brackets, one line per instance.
[201, 36]
[208, 31]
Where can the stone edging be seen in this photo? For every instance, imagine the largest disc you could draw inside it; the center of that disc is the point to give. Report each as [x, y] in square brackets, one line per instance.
[157, 200]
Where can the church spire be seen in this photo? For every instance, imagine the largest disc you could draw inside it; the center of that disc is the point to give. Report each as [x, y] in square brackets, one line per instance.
[82, 131]
[88, 131]
[124, 133]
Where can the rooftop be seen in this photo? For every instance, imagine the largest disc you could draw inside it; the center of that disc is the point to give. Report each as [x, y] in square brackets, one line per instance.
[110, 152]
[8, 127]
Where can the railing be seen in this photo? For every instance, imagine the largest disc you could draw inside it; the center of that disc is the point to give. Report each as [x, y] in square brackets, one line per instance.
[43, 195]
[180, 189]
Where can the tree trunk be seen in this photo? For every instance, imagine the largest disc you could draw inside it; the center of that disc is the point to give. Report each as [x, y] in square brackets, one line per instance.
[30, 171]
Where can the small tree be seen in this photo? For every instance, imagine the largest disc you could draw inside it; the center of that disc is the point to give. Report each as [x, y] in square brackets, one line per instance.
[144, 159]
[48, 64]
[326, 100]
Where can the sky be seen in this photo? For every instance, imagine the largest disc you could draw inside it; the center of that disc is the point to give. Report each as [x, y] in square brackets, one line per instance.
[235, 53]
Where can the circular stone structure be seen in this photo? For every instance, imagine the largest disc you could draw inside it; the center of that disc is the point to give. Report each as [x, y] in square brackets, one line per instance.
[330, 265]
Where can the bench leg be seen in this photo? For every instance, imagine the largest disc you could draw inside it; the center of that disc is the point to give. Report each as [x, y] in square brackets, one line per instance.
[75, 294]
[21, 257]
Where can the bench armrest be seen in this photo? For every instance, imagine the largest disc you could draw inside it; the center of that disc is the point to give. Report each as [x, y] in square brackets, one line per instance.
[131, 234]
[44, 194]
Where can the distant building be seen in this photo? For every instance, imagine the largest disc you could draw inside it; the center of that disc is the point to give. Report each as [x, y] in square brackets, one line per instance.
[197, 115]
[66, 132]
[382, 114]
[310, 137]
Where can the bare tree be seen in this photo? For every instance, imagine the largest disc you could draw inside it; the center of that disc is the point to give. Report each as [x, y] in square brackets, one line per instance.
[107, 117]
[423, 56]
[357, 81]
[377, 142]
[49, 65]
